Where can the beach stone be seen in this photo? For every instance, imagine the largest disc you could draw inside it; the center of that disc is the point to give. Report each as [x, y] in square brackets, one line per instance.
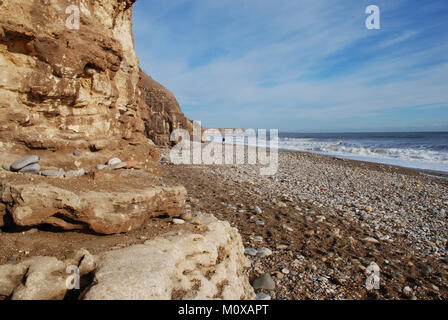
[407, 291]
[285, 271]
[291, 215]
[31, 169]
[186, 216]
[279, 275]
[263, 252]
[48, 173]
[6, 166]
[259, 223]
[264, 282]
[250, 251]
[368, 209]
[371, 240]
[262, 296]
[113, 161]
[76, 153]
[424, 268]
[23, 162]
[309, 233]
[75, 173]
[258, 210]
[102, 167]
[178, 221]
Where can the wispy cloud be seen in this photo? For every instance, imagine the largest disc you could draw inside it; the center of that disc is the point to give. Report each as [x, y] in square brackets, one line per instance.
[298, 65]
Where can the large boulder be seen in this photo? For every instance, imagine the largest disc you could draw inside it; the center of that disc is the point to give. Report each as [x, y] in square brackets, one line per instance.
[207, 263]
[117, 202]
[204, 265]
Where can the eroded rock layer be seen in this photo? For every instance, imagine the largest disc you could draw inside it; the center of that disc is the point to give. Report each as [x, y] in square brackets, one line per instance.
[207, 264]
[165, 114]
[65, 88]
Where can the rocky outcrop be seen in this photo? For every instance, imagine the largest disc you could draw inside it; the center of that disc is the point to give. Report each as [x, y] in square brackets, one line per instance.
[207, 264]
[66, 89]
[69, 88]
[165, 114]
[75, 98]
[104, 202]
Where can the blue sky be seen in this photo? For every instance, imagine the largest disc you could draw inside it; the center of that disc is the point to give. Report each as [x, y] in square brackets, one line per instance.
[300, 65]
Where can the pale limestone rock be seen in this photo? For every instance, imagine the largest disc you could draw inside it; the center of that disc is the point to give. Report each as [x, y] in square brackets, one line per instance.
[102, 212]
[205, 266]
[36, 278]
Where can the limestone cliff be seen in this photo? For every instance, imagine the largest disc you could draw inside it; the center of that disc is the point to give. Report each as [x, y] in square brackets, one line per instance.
[69, 84]
[165, 114]
[69, 88]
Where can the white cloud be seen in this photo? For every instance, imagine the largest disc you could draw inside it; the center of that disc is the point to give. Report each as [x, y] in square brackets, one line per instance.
[273, 49]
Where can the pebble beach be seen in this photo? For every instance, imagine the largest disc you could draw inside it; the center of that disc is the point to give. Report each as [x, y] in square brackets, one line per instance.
[319, 226]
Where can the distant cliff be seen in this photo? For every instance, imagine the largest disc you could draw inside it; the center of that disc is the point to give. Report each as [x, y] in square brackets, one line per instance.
[165, 114]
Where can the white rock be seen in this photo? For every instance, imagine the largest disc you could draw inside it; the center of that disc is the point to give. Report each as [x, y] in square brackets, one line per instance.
[262, 296]
[250, 251]
[169, 263]
[113, 161]
[178, 221]
[263, 252]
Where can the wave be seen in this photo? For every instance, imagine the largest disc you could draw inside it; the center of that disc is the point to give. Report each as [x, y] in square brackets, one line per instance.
[427, 153]
[431, 157]
[411, 153]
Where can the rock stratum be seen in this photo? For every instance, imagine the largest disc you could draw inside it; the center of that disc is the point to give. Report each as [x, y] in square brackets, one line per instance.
[65, 90]
[208, 264]
[165, 114]
[74, 101]
[62, 88]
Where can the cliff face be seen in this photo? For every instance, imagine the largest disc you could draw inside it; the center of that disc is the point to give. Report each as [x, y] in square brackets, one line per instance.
[165, 114]
[62, 87]
[71, 86]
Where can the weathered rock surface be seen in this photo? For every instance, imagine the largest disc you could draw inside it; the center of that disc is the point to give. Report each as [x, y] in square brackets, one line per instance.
[37, 278]
[205, 264]
[165, 114]
[65, 89]
[69, 88]
[105, 212]
[191, 266]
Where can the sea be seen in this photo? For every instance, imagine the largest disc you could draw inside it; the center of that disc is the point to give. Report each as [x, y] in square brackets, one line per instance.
[418, 150]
